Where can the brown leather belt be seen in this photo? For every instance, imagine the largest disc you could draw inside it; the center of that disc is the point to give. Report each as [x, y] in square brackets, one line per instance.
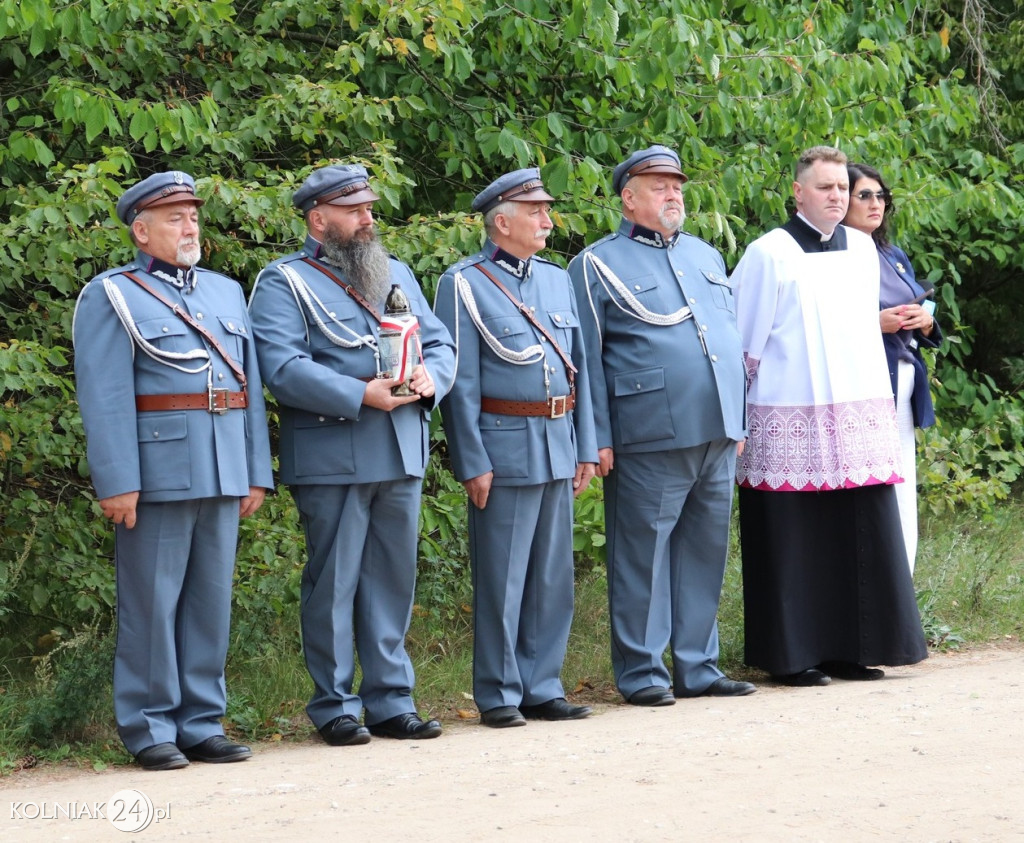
[554, 408]
[214, 401]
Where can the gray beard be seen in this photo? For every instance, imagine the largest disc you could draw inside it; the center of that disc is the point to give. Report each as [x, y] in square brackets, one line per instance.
[363, 262]
[670, 226]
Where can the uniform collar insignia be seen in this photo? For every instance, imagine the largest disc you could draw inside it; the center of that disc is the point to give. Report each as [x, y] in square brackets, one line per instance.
[649, 237]
[510, 263]
[183, 279]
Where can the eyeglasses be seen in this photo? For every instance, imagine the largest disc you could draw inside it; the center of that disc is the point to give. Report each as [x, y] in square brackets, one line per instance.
[882, 196]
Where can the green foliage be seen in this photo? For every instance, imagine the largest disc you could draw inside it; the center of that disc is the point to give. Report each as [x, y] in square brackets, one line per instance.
[443, 581]
[588, 538]
[969, 575]
[436, 98]
[72, 689]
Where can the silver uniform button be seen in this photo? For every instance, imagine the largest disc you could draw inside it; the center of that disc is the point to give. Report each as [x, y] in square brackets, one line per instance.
[558, 318]
[320, 418]
[693, 301]
[714, 358]
[156, 434]
[231, 326]
[636, 287]
[199, 316]
[497, 423]
[165, 329]
[704, 327]
[220, 376]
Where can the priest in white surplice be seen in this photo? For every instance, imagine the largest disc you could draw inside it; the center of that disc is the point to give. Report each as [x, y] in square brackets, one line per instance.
[827, 591]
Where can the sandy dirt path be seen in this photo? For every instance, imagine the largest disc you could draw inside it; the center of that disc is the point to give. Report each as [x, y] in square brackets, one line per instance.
[933, 752]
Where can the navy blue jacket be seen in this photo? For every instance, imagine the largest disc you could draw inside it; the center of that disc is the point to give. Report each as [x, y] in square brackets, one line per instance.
[921, 400]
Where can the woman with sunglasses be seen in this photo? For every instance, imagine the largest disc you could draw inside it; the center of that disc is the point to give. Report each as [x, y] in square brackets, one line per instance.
[907, 324]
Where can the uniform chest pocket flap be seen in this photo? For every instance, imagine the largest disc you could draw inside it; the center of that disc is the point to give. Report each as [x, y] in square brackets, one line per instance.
[237, 333]
[721, 288]
[513, 332]
[563, 318]
[645, 289]
[234, 325]
[162, 326]
[339, 319]
[641, 284]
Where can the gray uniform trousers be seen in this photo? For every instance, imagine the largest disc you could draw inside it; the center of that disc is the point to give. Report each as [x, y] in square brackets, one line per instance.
[668, 538]
[360, 539]
[521, 552]
[173, 621]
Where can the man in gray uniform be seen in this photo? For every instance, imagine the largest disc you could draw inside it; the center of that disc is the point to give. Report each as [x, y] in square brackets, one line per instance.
[666, 372]
[352, 453]
[172, 405]
[521, 434]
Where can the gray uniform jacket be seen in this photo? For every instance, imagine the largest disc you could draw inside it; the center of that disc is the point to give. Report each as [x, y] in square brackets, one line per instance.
[129, 343]
[308, 332]
[658, 386]
[520, 450]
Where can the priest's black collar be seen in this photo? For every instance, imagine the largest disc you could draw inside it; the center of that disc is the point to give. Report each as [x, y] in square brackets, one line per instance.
[809, 238]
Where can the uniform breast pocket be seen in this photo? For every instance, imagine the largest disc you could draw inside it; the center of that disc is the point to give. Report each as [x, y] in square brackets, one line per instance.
[505, 439]
[338, 319]
[721, 289]
[644, 289]
[511, 331]
[640, 407]
[163, 451]
[237, 333]
[167, 333]
[566, 324]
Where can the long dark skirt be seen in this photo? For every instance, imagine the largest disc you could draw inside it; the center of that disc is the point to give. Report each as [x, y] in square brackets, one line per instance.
[825, 578]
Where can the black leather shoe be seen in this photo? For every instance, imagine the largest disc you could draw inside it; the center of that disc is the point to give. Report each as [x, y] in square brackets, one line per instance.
[502, 717]
[557, 709]
[726, 687]
[408, 726]
[344, 731]
[804, 679]
[161, 756]
[652, 696]
[851, 671]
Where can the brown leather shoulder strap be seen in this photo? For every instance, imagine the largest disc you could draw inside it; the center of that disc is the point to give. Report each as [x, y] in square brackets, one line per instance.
[570, 369]
[185, 317]
[348, 288]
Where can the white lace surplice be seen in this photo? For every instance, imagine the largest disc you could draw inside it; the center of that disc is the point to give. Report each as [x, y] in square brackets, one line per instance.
[819, 401]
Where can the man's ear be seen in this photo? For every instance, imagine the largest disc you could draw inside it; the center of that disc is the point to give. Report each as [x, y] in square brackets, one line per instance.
[798, 190]
[140, 232]
[315, 220]
[501, 224]
[628, 198]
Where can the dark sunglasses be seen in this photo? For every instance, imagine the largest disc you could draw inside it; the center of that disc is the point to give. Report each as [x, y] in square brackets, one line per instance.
[882, 196]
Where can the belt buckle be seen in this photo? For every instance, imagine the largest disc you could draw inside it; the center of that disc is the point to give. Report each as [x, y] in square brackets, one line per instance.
[557, 405]
[218, 400]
